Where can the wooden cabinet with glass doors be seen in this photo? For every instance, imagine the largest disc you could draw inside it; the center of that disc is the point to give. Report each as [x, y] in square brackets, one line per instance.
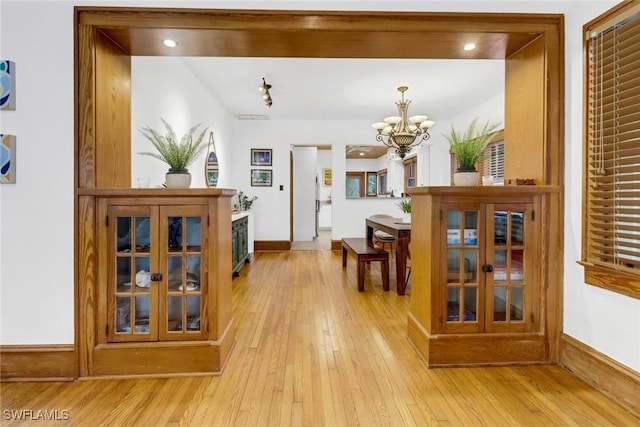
[160, 286]
[157, 287]
[477, 276]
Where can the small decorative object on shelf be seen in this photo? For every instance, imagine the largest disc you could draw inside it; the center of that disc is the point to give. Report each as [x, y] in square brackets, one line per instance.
[179, 155]
[525, 181]
[469, 149]
[244, 202]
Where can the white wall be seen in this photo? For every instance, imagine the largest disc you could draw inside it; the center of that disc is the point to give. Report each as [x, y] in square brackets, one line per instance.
[36, 213]
[183, 102]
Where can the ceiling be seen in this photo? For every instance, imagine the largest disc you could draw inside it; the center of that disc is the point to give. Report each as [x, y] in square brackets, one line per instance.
[326, 66]
[347, 89]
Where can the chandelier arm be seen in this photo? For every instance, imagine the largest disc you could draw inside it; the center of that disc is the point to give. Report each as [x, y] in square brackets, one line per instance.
[380, 138]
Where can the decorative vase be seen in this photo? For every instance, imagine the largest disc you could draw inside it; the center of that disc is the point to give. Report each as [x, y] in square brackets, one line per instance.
[466, 177]
[406, 217]
[178, 178]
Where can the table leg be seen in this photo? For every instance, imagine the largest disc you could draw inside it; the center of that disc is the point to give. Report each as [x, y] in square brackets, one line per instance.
[370, 235]
[402, 249]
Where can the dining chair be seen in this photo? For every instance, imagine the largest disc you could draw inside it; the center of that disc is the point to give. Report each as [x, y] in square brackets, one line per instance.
[382, 237]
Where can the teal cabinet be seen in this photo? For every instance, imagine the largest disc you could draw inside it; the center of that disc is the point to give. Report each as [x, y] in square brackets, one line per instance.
[239, 244]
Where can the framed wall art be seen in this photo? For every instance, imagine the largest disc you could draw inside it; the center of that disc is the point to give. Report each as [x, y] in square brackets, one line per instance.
[261, 177]
[7, 159]
[261, 157]
[326, 177]
[7, 85]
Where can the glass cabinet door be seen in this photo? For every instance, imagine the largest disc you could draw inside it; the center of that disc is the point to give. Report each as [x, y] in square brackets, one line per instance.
[464, 299]
[183, 291]
[509, 296]
[131, 290]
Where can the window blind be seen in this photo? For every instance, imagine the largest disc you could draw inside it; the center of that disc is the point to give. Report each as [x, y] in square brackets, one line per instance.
[613, 145]
[493, 164]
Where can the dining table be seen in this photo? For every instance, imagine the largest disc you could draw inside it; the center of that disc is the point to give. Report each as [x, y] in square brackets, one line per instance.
[402, 233]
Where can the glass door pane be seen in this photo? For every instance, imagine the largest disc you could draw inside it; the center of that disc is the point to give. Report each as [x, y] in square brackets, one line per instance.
[130, 291]
[509, 287]
[183, 289]
[462, 289]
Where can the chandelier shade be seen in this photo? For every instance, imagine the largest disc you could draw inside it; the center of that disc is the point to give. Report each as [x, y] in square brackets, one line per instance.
[403, 132]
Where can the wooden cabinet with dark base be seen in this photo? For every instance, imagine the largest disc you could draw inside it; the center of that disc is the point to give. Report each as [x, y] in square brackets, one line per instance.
[480, 292]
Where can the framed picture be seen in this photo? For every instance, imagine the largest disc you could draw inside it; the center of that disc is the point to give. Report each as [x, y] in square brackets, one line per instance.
[261, 157]
[261, 177]
[326, 177]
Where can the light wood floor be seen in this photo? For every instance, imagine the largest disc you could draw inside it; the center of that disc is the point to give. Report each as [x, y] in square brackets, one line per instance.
[312, 351]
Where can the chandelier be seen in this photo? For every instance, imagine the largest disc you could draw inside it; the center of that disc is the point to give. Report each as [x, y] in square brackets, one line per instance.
[266, 96]
[403, 132]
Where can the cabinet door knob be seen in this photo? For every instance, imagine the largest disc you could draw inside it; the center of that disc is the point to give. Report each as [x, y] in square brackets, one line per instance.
[487, 268]
[156, 277]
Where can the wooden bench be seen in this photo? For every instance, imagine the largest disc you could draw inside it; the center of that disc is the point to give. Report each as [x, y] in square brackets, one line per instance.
[365, 254]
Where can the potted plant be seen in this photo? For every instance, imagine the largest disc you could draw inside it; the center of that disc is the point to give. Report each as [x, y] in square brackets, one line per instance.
[469, 150]
[178, 154]
[405, 207]
[244, 202]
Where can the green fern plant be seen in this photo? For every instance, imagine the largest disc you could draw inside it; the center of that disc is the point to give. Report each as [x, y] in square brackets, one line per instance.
[178, 154]
[405, 205]
[469, 146]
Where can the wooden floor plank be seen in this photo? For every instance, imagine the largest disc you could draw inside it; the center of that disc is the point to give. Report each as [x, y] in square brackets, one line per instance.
[313, 351]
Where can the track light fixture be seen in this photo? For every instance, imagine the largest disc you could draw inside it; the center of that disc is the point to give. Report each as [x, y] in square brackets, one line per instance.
[264, 88]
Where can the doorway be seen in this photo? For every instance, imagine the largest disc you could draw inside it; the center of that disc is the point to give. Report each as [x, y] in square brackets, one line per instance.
[311, 198]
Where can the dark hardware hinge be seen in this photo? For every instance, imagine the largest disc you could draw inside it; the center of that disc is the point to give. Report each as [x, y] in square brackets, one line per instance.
[106, 329]
[208, 220]
[532, 318]
[106, 220]
[533, 215]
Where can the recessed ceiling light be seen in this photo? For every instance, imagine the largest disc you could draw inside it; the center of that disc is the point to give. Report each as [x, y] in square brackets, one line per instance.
[469, 46]
[169, 43]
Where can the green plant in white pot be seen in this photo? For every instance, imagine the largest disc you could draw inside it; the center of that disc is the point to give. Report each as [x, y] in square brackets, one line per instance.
[178, 154]
[469, 149]
[405, 207]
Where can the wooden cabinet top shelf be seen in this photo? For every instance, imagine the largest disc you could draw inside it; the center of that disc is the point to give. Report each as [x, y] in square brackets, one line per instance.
[489, 190]
[156, 192]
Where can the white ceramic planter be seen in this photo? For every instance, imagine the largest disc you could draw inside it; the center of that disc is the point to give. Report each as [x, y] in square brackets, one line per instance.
[465, 178]
[178, 179]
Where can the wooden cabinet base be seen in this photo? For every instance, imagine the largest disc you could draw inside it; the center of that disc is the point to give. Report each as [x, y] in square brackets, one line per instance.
[163, 358]
[440, 350]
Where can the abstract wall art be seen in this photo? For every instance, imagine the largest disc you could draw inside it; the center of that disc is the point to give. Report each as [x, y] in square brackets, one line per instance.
[7, 159]
[7, 85]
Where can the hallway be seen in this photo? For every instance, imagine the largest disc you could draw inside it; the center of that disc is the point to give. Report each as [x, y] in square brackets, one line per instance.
[320, 243]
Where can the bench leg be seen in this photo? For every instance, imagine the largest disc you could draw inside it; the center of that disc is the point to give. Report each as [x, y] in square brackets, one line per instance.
[384, 266]
[361, 265]
[344, 257]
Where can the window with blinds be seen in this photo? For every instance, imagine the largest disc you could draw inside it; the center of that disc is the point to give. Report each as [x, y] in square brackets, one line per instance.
[493, 163]
[612, 134]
